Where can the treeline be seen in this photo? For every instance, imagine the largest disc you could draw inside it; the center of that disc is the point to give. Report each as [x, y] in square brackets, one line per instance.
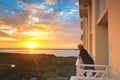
[49, 67]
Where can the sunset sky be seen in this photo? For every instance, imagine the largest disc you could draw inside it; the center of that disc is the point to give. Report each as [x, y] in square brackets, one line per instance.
[48, 23]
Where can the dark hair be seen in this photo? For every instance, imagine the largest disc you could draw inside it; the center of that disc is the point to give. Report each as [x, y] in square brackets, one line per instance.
[80, 46]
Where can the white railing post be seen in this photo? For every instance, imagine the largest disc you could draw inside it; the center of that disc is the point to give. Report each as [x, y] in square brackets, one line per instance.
[107, 72]
[77, 67]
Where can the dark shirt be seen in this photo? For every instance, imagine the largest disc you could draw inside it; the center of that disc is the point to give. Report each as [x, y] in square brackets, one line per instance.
[86, 58]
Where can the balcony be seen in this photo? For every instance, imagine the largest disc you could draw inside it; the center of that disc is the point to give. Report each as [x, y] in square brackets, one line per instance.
[81, 37]
[102, 72]
[81, 25]
[83, 11]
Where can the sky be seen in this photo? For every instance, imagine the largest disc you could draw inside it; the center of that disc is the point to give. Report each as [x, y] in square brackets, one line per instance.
[47, 23]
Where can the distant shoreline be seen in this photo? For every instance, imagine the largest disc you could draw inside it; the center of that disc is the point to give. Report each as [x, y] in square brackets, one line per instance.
[36, 49]
[57, 52]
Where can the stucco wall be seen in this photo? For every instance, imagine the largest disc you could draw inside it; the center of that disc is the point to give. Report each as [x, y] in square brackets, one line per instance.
[102, 45]
[114, 35]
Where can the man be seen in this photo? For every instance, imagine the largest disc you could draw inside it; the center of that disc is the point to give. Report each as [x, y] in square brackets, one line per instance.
[86, 58]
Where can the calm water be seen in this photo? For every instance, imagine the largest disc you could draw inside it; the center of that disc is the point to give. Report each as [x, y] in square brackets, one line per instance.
[55, 52]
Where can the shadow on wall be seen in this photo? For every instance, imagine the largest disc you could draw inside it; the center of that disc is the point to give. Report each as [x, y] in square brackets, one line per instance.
[113, 71]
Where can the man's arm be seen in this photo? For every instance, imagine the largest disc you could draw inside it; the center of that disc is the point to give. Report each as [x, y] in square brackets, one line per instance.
[80, 54]
[79, 57]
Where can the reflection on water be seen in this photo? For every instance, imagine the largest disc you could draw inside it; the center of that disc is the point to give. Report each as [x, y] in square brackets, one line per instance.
[33, 51]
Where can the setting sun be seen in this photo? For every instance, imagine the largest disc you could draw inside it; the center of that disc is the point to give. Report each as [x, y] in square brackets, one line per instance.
[31, 45]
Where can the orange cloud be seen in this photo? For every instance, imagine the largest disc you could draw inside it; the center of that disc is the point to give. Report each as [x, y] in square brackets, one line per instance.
[34, 34]
[8, 29]
[1, 23]
[46, 27]
[37, 6]
[51, 1]
[60, 13]
[7, 39]
[39, 13]
[34, 6]
[16, 19]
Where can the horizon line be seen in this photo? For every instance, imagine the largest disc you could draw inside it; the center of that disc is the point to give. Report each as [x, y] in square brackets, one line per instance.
[44, 48]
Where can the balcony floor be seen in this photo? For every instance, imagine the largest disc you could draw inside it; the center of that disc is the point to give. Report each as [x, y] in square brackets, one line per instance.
[89, 78]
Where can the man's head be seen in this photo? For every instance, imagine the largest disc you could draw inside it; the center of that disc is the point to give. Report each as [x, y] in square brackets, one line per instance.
[80, 46]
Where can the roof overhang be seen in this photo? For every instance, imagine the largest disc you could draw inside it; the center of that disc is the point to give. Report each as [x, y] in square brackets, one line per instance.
[81, 2]
[84, 7]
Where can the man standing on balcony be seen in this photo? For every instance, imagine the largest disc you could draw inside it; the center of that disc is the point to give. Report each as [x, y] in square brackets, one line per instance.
[86, 58]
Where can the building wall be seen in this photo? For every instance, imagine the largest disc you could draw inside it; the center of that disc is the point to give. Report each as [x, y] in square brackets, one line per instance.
[114, 36]
[93, 22]
[85, 28]
[89, 29]
[105, 38]
[99, 36]
[105, 41]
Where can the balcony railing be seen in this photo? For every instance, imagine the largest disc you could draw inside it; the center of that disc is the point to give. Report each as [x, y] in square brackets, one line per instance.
[101, 72]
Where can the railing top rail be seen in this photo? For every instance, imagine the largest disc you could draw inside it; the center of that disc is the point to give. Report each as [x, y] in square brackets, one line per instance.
[107, 66]
[100, 71]
[80, 63]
